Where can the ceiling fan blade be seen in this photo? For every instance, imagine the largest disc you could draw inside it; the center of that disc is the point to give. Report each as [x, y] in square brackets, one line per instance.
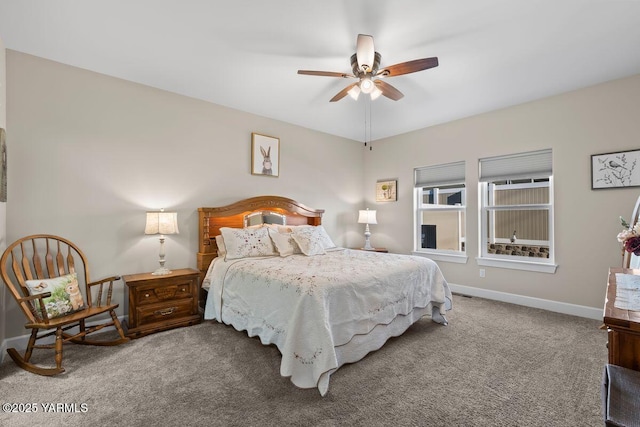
[325, 73]
[409, 67]
[343, 93]
[365, 52]
[388, 90]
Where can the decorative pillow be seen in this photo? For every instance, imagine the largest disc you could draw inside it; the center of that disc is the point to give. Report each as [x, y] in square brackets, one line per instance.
[247, 242]
[222, 249]
[310, 240]
[289, 228]
[327, 243]
[284, 243]
[65, 294]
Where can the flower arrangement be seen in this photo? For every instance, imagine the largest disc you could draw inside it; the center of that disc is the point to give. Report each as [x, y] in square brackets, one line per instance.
[630, 237]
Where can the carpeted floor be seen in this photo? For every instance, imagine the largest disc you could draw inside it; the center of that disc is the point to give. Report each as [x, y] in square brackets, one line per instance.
[496, 364]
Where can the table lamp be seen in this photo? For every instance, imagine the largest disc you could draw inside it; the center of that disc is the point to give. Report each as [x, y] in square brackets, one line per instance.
[367, 217]
[161, 223]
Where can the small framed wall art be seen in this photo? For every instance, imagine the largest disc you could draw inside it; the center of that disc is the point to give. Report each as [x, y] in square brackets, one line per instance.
[265, 155]
[386, 191]
[615, 170]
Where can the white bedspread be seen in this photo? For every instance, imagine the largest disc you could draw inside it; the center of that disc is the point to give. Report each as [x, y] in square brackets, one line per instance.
[307, 306]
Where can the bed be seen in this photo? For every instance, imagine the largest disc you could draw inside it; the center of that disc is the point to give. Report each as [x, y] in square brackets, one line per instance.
[269, 268]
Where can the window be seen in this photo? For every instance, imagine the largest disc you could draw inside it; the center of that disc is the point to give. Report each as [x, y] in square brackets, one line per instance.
[440, 208]
[516, 212]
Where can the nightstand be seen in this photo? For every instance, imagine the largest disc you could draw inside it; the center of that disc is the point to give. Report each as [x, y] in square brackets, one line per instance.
[156, 303]
[373, 250]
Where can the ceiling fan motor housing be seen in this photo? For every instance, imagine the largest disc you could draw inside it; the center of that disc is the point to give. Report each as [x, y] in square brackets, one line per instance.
[358, 70]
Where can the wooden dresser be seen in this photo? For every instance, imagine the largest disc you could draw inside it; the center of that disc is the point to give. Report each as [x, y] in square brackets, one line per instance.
[623, 327]
[156, 303]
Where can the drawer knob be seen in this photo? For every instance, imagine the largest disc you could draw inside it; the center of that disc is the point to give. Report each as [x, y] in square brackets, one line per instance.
[146, 295]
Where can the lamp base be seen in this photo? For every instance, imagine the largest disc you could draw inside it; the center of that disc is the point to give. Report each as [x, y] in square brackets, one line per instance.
[161, 271]
[367, 236]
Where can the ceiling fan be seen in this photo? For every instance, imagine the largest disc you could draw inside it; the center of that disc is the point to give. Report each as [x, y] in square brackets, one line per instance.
[365, 64]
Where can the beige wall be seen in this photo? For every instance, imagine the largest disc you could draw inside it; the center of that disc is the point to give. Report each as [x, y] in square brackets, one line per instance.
[3, 206]
[575, 125]
[90, 154]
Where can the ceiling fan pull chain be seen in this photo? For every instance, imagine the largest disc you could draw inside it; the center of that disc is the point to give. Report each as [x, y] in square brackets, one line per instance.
[365, 124]
[370, 144]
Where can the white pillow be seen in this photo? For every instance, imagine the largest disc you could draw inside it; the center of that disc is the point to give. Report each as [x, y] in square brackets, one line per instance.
[327, 243]
[310, 240]
[284, 243]
[247, 242]
[222, 249]
[289, 228]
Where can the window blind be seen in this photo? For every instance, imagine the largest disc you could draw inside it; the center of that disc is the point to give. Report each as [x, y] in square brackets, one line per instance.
[439, 175]
[534, 164]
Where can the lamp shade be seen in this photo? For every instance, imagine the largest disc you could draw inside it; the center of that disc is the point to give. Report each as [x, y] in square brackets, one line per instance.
[161, 223]
[367, 217]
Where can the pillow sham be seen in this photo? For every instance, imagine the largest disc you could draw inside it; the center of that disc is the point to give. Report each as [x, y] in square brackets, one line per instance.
[222, 249]
[247, 242]
[288, 228]
[310, 240]
[65, 296]
[327, 243]
[284, 242]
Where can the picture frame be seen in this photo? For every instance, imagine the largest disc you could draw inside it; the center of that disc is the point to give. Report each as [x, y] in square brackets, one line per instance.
[265, 155]
[386, 191]
[619, 169]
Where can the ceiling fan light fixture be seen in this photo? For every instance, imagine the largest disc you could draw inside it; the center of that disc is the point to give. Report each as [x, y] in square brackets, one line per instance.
[375, 93]
[367, 85]
[354, 92]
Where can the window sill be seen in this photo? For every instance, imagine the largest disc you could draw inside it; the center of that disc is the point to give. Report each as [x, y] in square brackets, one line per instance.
[539, 267]
[458, 258]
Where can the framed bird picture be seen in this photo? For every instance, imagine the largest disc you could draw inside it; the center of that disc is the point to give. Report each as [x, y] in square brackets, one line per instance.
[615, 170]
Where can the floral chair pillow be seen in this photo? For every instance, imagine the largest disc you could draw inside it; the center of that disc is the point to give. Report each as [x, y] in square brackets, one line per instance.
[65, 298]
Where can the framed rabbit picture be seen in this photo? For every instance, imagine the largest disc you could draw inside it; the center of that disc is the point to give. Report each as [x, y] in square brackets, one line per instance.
[265, 155]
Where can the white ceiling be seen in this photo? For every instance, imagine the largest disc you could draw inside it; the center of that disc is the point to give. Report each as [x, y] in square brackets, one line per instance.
[244, 54]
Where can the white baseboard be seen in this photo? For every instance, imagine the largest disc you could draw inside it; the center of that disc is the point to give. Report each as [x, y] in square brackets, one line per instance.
[555, 306]
[21, 342]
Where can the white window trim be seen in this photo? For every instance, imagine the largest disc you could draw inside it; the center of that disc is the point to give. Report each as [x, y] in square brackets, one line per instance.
[514, 262]
[517, 264]
[446, 255]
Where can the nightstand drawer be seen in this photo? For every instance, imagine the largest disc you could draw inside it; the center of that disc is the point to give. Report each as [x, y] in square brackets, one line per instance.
[164, 311]
[157, 294]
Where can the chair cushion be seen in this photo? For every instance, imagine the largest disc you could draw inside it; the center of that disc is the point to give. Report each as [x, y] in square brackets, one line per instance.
[65, 298]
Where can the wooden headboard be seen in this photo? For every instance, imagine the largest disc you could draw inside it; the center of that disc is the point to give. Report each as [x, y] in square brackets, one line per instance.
[211, 219]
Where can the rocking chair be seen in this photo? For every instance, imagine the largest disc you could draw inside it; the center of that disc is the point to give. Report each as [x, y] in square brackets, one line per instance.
[49, 296]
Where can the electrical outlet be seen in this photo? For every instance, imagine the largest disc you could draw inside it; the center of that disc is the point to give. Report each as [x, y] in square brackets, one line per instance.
[482, 272]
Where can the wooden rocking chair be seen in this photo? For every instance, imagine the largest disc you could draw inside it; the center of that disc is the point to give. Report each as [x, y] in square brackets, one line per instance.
[21, 266]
